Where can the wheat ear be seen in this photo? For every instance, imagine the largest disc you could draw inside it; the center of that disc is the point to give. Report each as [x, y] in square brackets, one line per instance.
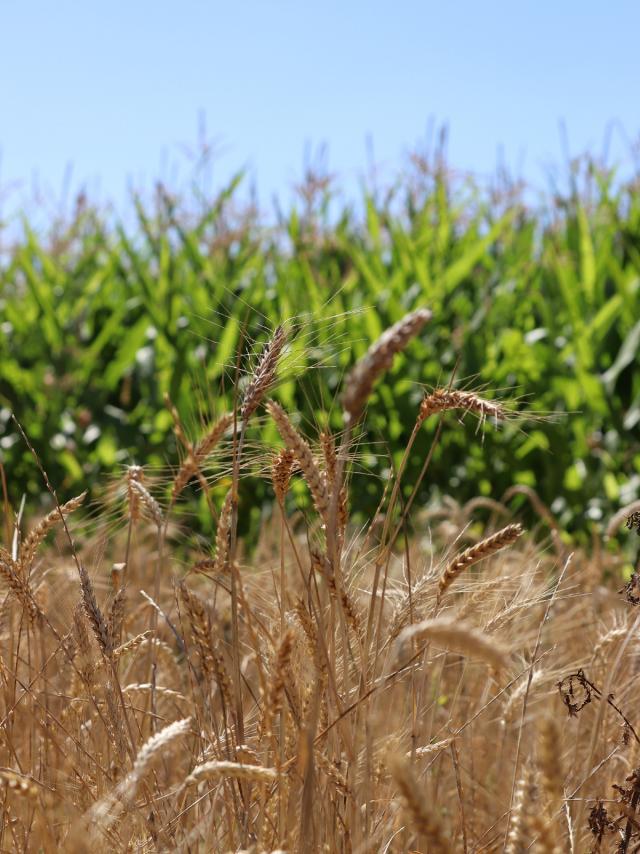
[151, 751]
[281, 471]
[152, 506]
[34, 538]
[550, 762]
[264, 374]
[238, 770]
[94, 614]
[294, 442]
[222, 535]
[490, 545]
[377, 360]
[457, 637]
[197, 456]
[425, 823]
[444, 399]
[18, 585]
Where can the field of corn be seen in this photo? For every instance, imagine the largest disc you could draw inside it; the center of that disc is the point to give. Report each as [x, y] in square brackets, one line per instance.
[536, 301]
[356, 567]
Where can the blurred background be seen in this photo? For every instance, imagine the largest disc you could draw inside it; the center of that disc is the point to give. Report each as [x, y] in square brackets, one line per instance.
[164, 167]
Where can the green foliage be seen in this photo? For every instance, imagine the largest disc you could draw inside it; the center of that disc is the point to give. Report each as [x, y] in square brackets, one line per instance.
[539, 304]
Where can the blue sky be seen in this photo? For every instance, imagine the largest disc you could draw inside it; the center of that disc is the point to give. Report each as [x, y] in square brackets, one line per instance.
[114, 89]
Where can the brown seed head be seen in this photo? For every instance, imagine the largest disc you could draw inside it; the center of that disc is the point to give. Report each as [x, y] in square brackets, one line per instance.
[264, 373]
[377, 360]
[488, 546]
[444, 399]
[281, 472]
[294, 442]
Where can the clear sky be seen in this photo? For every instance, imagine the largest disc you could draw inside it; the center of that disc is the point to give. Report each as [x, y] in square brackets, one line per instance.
[114, 89]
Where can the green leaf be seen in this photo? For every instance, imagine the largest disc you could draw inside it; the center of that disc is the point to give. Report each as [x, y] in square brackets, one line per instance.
[626, 355]
[124, 360]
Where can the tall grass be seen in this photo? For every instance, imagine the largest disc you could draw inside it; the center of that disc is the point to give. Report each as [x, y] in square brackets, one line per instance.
[340, 688]
[101, 320]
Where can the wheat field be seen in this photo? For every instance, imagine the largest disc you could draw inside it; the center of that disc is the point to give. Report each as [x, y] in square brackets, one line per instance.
[416, 682]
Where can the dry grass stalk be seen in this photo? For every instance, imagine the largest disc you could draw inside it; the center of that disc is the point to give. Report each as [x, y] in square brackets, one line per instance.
[105, 811]
[333, 774]
[295, 443]
[348, 605]
[444, 399]
[264, 374]
[30, 544]
[511, 705]
[221, 675]
[377, 360]
[489, 546]
[162, 651]
[304, 618]
[247, 755]
[456, 637]
[343, 514]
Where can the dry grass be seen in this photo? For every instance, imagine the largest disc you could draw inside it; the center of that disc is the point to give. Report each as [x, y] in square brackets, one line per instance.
[322, 694]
